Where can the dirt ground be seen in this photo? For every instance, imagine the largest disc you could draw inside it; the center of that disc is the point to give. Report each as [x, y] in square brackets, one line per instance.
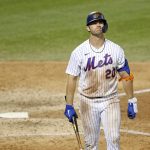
[38, 88]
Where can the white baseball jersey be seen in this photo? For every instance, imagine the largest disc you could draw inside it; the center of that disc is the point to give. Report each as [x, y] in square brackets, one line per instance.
[96, 68]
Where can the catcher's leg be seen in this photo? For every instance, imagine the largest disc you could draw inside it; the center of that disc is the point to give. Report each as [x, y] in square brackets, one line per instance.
[91, 124]
[111, 123]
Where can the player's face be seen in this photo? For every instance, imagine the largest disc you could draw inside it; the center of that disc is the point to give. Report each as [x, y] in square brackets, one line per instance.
[96, 28]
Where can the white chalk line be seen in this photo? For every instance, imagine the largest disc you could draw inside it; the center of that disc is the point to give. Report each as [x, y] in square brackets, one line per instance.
[133, 132]
[136, 92]
[120, 94]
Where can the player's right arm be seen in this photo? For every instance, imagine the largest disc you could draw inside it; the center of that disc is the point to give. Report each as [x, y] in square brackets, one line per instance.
[70, 88]
[72, 71]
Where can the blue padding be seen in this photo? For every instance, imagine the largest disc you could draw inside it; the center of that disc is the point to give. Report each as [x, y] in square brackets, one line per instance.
[125, 67]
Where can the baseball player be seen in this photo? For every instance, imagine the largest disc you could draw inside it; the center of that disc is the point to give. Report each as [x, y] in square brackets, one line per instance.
[98, 62]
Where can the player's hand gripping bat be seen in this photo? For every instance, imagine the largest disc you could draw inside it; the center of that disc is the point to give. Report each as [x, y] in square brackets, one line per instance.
[73, 120]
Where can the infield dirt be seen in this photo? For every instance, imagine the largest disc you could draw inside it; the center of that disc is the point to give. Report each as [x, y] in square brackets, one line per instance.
[38, 88]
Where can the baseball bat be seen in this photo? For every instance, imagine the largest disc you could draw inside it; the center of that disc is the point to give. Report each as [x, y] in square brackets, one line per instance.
[76, 130]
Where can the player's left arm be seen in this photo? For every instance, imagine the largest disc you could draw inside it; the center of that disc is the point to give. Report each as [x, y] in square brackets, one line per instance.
[127, 80]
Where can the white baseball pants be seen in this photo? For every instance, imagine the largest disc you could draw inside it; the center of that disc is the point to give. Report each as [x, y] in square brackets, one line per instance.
[93, 113]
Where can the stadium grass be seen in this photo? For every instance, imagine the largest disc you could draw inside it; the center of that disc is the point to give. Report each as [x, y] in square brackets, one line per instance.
[50, 30]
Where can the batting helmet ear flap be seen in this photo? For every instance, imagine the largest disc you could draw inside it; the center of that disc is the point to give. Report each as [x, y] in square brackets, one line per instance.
[105, 27]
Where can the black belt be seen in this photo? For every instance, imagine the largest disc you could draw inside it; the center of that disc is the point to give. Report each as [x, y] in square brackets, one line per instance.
[98, 96]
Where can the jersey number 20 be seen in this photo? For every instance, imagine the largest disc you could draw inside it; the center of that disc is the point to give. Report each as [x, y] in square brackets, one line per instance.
[110, 73]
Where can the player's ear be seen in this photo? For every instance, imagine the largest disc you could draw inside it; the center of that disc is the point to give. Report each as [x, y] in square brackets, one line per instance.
[88, 29]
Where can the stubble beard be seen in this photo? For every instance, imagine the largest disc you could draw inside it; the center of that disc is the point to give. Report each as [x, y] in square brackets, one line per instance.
[97, 34]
